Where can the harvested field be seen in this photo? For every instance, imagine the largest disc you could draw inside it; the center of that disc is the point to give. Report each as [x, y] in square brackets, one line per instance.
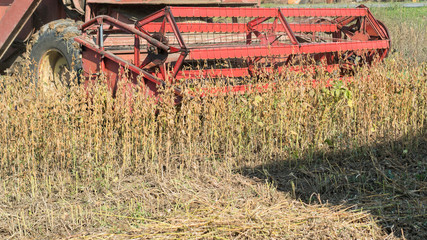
[340, 160]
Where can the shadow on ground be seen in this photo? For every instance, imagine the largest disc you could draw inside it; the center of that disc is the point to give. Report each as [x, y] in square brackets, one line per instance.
[388, 179]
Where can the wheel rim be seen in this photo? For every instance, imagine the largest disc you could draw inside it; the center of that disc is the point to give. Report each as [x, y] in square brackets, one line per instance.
[53, 65]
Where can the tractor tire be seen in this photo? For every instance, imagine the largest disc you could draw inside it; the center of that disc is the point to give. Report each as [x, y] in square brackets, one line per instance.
[55, 56]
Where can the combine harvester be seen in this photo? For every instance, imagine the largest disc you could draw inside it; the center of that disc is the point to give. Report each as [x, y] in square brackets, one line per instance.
[156, 44]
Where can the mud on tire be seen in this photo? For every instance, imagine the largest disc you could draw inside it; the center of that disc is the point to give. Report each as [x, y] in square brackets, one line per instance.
[55, 56]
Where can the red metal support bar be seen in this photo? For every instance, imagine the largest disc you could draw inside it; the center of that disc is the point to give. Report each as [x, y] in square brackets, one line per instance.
[363, 25]
[283, 50]
[344, 21]
[239, 27]
[381, 32]
[287, 28]
[178, 64]
[123, 26]
[88, 12]
[137, 51]
[163, 27]
[257, 21]
[178, 36]
[151, 18]
[175, 28]
[100, 41]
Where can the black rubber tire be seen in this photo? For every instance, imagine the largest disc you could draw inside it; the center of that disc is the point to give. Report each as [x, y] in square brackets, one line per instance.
[57, 36]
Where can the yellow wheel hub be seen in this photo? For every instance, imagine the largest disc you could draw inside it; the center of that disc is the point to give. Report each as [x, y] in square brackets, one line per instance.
[53, 65]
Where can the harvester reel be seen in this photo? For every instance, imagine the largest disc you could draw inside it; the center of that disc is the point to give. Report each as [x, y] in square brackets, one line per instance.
[239, 43]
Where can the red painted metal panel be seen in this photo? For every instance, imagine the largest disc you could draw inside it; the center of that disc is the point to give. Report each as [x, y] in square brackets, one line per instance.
[4, 5]
[265, 12]
[223, 12]
[323, 12]
[14, 20]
